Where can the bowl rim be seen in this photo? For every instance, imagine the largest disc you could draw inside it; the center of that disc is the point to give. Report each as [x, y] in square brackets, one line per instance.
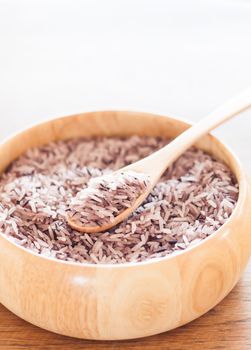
[240, 176]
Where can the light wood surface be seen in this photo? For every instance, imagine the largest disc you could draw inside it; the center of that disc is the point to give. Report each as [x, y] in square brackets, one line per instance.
[132, 300]
[155, 164]
[227, 326]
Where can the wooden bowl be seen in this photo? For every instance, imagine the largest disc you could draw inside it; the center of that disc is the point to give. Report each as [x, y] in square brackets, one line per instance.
[126, 300]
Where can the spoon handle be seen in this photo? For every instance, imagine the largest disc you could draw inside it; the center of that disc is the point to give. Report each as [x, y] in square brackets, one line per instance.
[157, 163]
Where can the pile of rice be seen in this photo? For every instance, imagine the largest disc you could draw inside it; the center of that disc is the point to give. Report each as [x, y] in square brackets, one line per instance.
[105, 197]
[194, 198]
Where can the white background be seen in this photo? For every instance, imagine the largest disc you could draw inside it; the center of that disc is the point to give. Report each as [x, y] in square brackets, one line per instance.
[171, 57]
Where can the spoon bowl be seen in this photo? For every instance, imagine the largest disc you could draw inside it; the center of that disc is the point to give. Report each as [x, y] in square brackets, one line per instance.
[114, 222]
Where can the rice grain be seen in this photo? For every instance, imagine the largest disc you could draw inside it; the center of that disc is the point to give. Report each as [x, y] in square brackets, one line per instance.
[194, 197]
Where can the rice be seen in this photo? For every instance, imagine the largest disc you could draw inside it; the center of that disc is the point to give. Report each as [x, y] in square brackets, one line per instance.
[105, 197]
[195, 196]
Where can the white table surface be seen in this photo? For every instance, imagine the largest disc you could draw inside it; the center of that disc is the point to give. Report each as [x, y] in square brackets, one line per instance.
[60, 57]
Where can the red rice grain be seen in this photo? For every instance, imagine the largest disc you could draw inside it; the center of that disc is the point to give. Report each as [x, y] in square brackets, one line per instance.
[195, 196]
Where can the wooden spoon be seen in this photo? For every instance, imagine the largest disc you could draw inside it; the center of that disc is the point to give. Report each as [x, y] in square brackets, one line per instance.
[155, 164]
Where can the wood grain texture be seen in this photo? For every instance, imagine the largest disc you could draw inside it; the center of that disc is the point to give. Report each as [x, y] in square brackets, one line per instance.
[126, 301]
[227, 326]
